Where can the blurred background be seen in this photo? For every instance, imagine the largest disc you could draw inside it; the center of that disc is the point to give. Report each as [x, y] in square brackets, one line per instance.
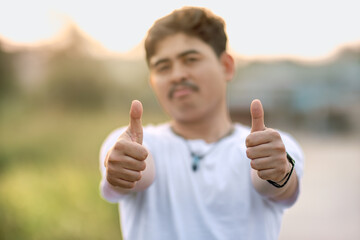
[69, 71]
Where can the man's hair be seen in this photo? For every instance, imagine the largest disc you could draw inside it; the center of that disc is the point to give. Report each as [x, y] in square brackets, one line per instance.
[192, 21]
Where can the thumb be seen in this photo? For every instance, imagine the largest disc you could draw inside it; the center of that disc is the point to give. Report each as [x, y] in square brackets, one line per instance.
[257, 116]
[135, 128]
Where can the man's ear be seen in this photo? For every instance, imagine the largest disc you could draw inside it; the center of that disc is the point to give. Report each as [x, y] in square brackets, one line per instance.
[228, 64]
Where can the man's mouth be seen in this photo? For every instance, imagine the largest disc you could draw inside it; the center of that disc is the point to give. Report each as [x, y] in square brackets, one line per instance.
[182, 89]
[181, 92]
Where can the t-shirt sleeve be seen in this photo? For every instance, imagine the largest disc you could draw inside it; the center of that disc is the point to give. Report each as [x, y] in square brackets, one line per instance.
[294, 150]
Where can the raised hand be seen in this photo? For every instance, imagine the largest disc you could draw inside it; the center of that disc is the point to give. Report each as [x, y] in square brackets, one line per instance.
[125, 161]
[265, 148]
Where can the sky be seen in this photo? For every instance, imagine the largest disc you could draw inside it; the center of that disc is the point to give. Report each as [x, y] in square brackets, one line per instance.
[299, 28]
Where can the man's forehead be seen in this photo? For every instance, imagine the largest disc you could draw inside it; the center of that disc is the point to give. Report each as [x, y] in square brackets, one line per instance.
[176, 54]
[175, 44]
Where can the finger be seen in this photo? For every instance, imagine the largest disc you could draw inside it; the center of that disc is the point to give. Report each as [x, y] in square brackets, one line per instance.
[260, 151]
[257, 116]
[129, 175]
[120, 183]
[267, 174]
[271, 174]
[114, 172]
[135, 129]
[128, 163]
[136, 151]
[134, 165]
[258, 138]
[106, 159]
[262, 164]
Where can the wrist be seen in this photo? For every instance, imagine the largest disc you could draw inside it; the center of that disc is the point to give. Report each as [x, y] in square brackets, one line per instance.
[284, 181]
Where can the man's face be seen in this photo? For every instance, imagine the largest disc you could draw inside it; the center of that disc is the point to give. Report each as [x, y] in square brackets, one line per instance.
[188, 78]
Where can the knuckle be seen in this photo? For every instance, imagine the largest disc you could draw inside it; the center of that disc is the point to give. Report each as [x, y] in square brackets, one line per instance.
[143, 154]
[111, 174]
[111, 157]
[110, 170]
[111, 181]
[280, 147]
[128, 185]
[119, 145]
[130, 176]
[249, 153]
[146, 154]
[106, 160]
[142, 166]
[272, 131]
[248, 141]
[261, 174]
[137, 176]
[275, 134]
[253, 164]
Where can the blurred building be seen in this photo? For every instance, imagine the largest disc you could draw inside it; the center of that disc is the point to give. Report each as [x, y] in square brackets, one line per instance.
[321, 96]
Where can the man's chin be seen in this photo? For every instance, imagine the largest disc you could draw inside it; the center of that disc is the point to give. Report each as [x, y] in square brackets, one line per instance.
[185, 118]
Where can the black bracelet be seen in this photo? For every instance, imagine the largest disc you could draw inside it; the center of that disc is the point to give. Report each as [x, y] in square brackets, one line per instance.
[287, 176]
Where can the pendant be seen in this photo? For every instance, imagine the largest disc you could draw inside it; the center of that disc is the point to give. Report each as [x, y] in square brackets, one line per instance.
[196, 159]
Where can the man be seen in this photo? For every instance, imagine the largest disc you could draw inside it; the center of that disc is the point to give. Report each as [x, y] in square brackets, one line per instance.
[200, 176]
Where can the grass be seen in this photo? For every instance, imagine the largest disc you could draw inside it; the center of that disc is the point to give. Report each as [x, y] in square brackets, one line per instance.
[49, 174]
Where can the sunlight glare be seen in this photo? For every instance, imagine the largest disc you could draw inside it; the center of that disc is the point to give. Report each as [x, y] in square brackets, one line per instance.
[256, 28]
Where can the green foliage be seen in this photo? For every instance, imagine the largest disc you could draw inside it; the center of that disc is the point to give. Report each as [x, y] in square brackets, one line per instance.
[77, 83]
[49, 173]
[8, 84]
[49, 188]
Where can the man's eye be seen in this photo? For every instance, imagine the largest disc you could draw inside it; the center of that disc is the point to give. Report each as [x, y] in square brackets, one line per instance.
[190, 59]
[163, 67]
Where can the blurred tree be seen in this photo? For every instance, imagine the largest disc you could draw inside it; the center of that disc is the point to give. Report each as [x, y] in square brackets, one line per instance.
[75, 79]
[7, 77]
[77, 82]
[80, 77]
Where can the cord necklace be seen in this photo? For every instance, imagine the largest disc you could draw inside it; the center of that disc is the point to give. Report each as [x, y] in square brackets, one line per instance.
[197, 157]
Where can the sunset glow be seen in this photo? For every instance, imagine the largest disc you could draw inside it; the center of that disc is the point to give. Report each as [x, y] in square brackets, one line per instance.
[304, 29]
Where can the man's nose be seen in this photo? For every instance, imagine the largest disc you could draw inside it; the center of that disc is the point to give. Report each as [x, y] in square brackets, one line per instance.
[178, 73]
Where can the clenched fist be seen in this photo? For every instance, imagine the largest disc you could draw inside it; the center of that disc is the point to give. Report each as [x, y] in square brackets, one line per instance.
[265, 148]
[125, 161]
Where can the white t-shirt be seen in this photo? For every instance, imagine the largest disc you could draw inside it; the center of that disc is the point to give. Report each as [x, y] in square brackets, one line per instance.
[218, 201]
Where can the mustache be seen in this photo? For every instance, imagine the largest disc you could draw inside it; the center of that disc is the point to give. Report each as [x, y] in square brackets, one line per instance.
[185, 84]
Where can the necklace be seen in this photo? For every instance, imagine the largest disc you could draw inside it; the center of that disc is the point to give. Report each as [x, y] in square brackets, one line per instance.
[197, 157]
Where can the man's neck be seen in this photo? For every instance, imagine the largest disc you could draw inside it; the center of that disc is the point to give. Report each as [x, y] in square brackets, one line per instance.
[210, 130]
